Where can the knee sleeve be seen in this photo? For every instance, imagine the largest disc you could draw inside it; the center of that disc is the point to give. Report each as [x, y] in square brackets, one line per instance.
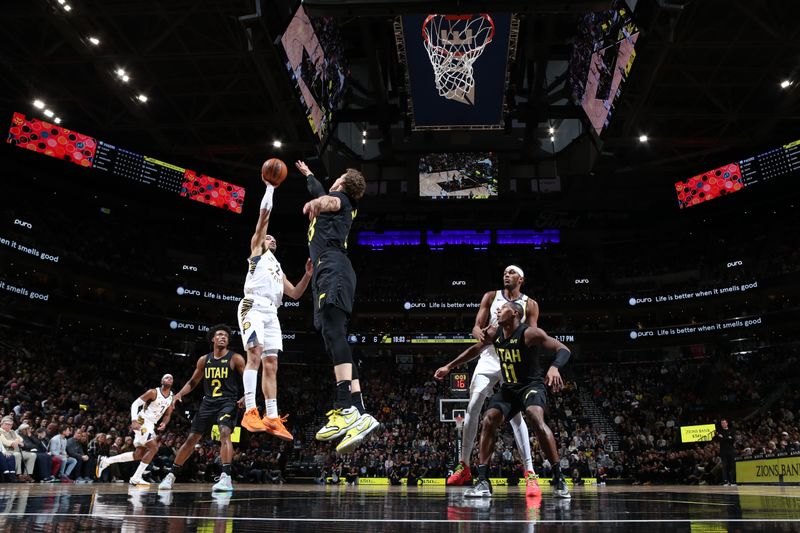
[334, 333]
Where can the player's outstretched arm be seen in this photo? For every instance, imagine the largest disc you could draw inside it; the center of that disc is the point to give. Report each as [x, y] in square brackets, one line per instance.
[197, 375]
[482, 318]
[263, 220]
[315, 188]
[137, 405]
[534, 336]
[467, 355]
[296, 291]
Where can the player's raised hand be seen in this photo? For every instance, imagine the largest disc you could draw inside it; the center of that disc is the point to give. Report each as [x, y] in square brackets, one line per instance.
[553, 379]
[309, 266]
[441, 372]
[303, 168]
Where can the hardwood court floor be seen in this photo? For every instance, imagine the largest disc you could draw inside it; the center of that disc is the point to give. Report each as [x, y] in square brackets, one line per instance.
[192, 507]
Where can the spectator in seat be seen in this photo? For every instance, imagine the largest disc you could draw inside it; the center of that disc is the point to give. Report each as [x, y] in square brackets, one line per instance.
[58, 448]
[13, 442]
[44, 463]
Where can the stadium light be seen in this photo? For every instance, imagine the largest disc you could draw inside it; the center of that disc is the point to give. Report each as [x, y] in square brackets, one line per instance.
[786, 84]
[57, 120]
[643, 138]
[277, 144]
[94, 40]
[38, 104]
[551, 130]
[48, 113]
[142, 98]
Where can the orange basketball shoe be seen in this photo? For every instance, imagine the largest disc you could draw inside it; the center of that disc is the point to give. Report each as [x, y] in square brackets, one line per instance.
[461, 475]
[532, 484]
[275, 427]
[252, 422]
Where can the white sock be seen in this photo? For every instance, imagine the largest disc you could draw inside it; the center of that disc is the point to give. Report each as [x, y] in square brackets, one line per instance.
[120, 458]
[523, 439]
[272, 407]
[250, 380]
[471, 420]
[140, 470]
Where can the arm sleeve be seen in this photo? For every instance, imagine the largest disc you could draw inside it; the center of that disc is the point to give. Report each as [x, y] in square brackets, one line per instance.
[135, 406]
[314, 186]
[562, 356]
[266, 201]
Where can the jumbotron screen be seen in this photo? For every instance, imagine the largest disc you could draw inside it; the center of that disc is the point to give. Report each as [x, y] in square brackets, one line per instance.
[602, 57]
[733, 177]
[462, 175]
[316, 62]
[54, 141]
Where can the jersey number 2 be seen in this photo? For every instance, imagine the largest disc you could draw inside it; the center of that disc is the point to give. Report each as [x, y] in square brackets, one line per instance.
[217, 384]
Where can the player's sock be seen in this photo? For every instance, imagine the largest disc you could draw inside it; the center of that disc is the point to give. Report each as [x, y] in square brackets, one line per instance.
[226, 468]
[176, 468]
[556, 470]
[483, 472]
[343, 396]
[358, 402]
[120, 458]
[272, 407]
[250, 378]
[140, 470]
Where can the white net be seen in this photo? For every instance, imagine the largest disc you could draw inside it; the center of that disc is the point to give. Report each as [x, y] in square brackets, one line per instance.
[454, 43]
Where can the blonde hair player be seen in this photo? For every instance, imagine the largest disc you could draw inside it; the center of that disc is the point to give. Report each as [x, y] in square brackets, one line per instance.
[264, 287]
[146, 411]
[487, 374]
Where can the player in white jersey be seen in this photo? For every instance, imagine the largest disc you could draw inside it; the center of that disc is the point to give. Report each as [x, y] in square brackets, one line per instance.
[487, 375]
[264, 288]
[146, 411]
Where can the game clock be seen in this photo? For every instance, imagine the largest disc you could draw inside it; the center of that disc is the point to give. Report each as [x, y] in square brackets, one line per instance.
[459, 382]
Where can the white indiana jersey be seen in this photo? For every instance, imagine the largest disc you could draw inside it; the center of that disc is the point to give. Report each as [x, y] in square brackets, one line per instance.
[264, 278]
[156, 409]
[489, 363]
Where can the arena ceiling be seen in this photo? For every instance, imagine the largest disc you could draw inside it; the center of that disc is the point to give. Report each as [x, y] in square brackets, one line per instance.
[705, 84]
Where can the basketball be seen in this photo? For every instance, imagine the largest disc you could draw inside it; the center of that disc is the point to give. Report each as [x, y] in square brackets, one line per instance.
[273, 171]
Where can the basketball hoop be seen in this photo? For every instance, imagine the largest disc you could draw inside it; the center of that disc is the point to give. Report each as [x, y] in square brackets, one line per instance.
[459, 422]
[454, 43]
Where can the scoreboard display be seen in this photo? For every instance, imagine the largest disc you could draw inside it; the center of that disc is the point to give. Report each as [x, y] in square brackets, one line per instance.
[61, 143]
[459, 382]
[733, 177]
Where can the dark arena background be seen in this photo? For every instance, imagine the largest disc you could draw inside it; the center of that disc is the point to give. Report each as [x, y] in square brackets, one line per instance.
[638, 160]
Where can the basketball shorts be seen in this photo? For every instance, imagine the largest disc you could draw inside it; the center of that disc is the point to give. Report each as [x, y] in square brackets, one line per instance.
[512, 400]
[333, 283]
[144, 434]
[486, 373]
[215, 411]
[258, 322]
